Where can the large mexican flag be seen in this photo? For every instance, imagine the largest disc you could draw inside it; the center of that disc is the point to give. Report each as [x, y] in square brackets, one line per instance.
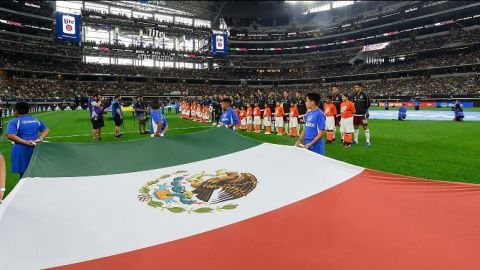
[218, 200]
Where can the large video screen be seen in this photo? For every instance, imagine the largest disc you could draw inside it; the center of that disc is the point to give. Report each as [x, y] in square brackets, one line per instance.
[68, 27]
[219, 44]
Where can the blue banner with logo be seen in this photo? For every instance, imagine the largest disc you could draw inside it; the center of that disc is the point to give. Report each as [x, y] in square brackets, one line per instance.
[68, 27]
[219, 44]
[444, 104]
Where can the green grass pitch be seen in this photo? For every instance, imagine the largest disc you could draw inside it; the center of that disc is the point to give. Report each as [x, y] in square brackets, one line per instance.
[440, 150]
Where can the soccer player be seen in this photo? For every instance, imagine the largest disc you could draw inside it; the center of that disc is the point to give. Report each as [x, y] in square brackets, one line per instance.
[330, 112]
[243, 118]
[249, 117]
[347, 111]
[257, 117]
[140, 111]
[362, 103]
[117, 115]
[279, 114]
[293, 120]
[228, 118]
[337, 100]
[158, 122]
[313, 133]
[237, 112]
[267, 120]
[402, 112]
[23, 132]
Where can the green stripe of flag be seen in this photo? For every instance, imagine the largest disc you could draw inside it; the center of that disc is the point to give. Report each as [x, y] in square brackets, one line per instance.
[70, 159]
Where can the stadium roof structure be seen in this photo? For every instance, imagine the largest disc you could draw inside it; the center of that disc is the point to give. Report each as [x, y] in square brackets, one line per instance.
[200, 9]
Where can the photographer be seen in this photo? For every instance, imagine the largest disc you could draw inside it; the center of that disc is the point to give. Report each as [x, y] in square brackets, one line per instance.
[140, 110]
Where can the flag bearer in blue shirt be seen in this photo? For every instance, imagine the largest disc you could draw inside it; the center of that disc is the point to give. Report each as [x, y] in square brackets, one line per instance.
[158, 122]
[229, 118]
[23, 131]
[314, 131]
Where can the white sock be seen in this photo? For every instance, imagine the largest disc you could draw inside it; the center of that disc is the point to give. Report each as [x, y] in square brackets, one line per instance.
[356, 135]
[334, 131]
[367, 135]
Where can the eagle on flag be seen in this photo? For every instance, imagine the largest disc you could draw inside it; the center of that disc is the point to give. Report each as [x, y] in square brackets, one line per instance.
[233, 185]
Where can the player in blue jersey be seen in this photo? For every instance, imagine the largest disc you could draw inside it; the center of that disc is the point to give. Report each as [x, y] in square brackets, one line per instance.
[158, 122]
[23, 132]
[402, 112]
[229, 117]
[314, 131]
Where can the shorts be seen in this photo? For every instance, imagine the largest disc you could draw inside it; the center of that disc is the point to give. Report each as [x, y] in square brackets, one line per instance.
[346, 125]
[20, 157]
[243, 122]
[330, 123]
[118, 121]
[293, 122]
[257, 120]
[279, 122]
[249, 120]
[267, 121]
[337, 120]
[360, 119]
[98, 123]
[141, 117]
[318, 148]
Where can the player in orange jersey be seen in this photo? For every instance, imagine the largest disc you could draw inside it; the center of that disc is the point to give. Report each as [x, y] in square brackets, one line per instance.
[330, 112]
[267, 120]
[347, 109]
[293, 120]
[257, 117]
[249, 117]
[279, 114]
[243, 118]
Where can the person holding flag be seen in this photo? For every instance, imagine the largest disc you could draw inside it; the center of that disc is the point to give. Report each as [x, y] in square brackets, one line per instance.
[158, 122]
[23, 132]
[402, 112]
[228, 118]
[312, 135]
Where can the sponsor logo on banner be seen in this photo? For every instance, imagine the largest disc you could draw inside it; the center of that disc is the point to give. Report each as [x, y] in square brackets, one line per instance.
[68, 24]
[220, 42]
[202, 192]
[409, 104]
[374, 47]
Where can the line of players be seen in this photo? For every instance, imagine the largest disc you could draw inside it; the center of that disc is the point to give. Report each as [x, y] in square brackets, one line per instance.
[286, 117]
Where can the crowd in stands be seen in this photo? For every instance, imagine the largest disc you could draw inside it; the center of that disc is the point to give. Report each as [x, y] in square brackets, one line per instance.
[406, 87]
[358, 22]
[37, 47]
[89, 14]
[36, 7]
[105, 46]
[454, 36]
